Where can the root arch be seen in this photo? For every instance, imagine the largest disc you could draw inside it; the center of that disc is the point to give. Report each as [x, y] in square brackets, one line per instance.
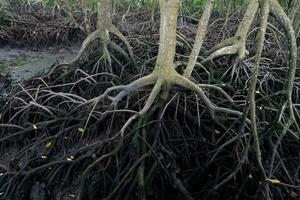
[102, 33]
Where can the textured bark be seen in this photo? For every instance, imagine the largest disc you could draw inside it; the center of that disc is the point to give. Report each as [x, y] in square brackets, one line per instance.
[200, 36]
[167, 44]
[264, 13]
[283, 19]
[104, 18]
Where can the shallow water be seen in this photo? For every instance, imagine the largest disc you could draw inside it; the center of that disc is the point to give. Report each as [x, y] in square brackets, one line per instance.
[23, 64]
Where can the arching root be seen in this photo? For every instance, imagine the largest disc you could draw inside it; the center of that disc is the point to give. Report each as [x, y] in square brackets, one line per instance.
[126, 89]
[213, 109]
[232, 46]
[162, 82]
[103, 36]
[161, 85]
[235, 46]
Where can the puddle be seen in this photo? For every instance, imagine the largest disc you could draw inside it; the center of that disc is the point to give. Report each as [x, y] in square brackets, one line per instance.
[23, 64]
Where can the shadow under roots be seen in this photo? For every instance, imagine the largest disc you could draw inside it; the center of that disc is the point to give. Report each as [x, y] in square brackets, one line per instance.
[55, 144]
[55, 139]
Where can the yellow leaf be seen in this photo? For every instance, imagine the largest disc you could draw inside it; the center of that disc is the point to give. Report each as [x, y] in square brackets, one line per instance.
[70, 158]
[48, 145]
[217, 131]
[1, 194]
[273, 181]
[34, 127]
[72, 195]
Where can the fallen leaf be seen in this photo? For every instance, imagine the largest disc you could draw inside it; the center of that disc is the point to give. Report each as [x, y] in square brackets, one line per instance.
[81, 130]
[273, 181]
[48, 145]
[70, 158]
[34, 127]
[72, 195]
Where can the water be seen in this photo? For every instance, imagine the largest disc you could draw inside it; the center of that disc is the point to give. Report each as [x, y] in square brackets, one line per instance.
[23, 64]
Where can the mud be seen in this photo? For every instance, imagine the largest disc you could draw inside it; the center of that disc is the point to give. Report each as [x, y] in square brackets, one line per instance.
[22, 64]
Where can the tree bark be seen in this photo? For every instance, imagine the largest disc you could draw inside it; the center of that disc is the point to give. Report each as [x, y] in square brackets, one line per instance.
[167, 40]
[200, 36]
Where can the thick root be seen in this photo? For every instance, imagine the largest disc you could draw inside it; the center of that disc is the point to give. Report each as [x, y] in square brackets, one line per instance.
[237, 44]
[126, 89]
[90, 38]
[233, 46]
[161, 85]
[103, 36]
[154, 93]
[117, 33]
[213, 109]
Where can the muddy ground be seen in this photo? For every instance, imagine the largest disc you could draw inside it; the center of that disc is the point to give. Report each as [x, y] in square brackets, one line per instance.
[49, 135]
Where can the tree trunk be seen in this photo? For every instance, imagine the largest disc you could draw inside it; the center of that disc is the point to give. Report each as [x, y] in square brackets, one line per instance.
[167, 40]
[104, 27]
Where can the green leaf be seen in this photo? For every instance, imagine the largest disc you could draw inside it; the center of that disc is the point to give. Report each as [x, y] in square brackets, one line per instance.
[81, 130]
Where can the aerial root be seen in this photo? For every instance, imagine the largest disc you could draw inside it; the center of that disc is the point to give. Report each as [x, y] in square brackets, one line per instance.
[103, 36]
[179, 185]
[154, 93]
[90, 38]
[159, 82]
[117, 33]
[127, 89]
[219, 89]
[212, 109]
[232, 46]
[118, 49]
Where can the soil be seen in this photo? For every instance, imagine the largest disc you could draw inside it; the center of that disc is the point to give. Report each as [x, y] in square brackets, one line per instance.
[23, 64]
[50, 134]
